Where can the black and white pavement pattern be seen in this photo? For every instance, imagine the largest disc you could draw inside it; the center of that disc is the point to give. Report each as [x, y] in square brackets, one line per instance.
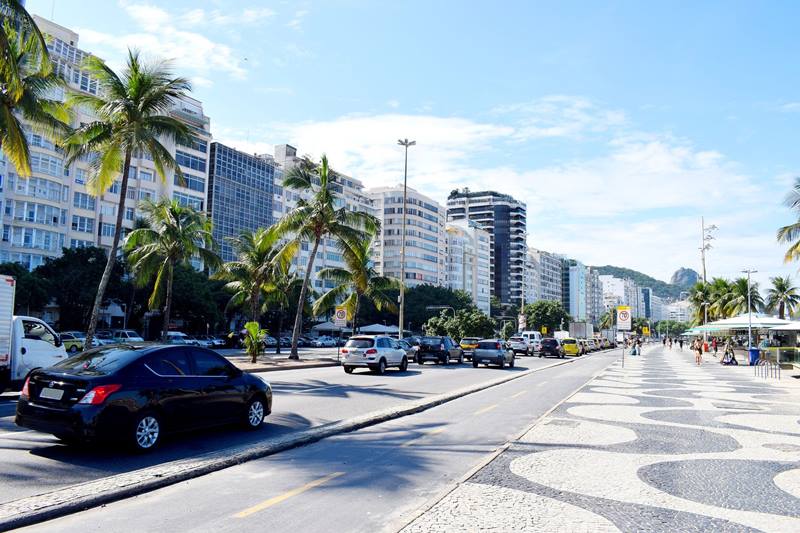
[657, 445]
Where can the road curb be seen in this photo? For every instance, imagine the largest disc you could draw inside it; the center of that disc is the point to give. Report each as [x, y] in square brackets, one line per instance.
[289, 367]
[42, 507]
[406, 521]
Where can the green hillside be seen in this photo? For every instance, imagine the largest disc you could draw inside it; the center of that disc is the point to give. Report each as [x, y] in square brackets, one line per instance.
[660, 288]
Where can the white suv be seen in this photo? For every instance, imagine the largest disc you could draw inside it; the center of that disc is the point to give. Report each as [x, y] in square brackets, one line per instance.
[375, 352]
[518, 344]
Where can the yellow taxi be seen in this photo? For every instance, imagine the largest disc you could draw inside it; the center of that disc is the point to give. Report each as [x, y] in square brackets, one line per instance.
[468, 344]
[571, 346]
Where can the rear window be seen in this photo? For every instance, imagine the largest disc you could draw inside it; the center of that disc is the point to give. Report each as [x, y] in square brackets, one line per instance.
[549, 342]
[99, 362]
[516, 339]
[488, 345]
[568, 341]
[431, 341]
[471, 340]
[359, 343]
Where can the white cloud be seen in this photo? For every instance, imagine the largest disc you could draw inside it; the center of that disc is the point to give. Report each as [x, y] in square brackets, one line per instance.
[636, 204]
[394, 104]
[296, 22]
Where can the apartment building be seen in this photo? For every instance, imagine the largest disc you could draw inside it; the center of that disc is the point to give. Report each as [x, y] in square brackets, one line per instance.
[468, 267]
[548, 278]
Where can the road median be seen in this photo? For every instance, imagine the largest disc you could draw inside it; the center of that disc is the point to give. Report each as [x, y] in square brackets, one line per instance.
[34, 509]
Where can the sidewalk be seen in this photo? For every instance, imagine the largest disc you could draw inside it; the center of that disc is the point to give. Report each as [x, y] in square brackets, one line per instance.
[660, 445]
[269, 362]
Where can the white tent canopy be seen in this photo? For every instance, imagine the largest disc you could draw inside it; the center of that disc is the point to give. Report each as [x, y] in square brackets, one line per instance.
[328, 326]
[757, 321]
[378, 328]
[791, 326]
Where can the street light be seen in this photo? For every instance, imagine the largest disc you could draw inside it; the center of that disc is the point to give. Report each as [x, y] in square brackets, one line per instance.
[705, 242]
[705, 321]
[404, 143]
[749, 271]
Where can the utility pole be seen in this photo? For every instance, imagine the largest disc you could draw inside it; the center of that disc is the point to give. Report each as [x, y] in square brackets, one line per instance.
[404, 143]
[705, 244]
[749, 271]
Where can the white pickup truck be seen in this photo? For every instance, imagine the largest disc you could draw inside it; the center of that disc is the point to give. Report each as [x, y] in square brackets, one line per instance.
[25, 342]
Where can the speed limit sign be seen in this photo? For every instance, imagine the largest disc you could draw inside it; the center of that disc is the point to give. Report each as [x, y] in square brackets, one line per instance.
[623, 318]
[340, 317]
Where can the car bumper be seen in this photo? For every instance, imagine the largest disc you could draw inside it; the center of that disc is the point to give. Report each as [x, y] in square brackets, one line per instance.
[80, 421]
[431, 356]
[359, 361]
[486, 360]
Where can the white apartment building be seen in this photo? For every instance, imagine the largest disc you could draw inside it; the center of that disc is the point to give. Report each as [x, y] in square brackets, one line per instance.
[468, 266]
[349, 192]
[531, 278]
[680, 311]
[594, 296]
[548, 278]
[425, 253]
[53, 208]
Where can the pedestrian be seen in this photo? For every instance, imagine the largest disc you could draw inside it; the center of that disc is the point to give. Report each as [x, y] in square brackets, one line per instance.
[714, 345]
[680, 344]
[670, 343]
[698, 347]
[664, 342]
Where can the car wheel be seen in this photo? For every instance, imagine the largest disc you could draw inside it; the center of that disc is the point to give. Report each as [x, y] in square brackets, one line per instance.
[146, 432]
[540, 355]
[255, 413]
[474, 363]
[511, 363]
[404, 365]
[461, 359]
[381, 368]
[348, 369]
[446, 360]
[73, 348]
[69, 440]
[502, 362]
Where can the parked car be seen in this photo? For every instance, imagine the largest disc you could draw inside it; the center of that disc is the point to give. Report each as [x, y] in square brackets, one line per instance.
[551, 347]
[286, 342]
[136, 394]
[73, 341]
[324, 342]
[411, 351]
[176, 337]
[519, 345]
[583, 346]
[493, 352]
[441, 350]
[468, 345]
[302, 341]
[126, 335]
[571, 347]
[592, 345]
[102, 337]
[376, 352]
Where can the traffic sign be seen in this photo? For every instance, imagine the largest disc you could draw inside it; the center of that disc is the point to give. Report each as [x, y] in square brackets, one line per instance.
[340, 317]
[646, 331]
[624, 318]
[544, 330]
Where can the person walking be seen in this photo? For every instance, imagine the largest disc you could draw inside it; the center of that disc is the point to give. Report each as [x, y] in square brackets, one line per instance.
[670, 343]
[680, 344]
[698, 348]
[714, 345]
[664, 342]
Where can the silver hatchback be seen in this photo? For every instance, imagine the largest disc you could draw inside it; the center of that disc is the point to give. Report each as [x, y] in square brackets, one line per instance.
[493, 352]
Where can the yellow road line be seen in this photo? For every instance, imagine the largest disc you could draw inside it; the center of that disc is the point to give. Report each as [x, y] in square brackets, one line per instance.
[485, 409]
[286, 495]
[520, 393]
[428, 434]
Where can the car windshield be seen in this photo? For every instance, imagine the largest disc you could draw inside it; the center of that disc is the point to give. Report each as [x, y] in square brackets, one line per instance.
[488, 345]
[359, 343]
[99, 362]
[430, 341]
[568, 341]
[515, 339]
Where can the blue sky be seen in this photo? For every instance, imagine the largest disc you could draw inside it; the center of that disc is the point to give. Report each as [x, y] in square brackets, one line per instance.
[620, 123]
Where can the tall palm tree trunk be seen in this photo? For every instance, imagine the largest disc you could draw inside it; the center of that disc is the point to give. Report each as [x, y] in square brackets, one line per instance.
[781, 309]
[298, 319]
[254, 306]
[280, 327]
[167, 302]
[355, 315]
[112, 254]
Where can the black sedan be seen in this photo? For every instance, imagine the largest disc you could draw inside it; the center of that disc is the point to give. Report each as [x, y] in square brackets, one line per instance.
[551, 347]
[135, 394]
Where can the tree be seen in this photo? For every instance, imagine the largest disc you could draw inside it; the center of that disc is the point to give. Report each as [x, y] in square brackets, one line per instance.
[73, 277]
[247, 276]
[13, 14]
[546, 313]
[791, 234]
[466, 323]
[608, 319]
[700, 296]
[783, 296]
[196, 299]
[254, 340]
[132, 117]
[32, 291]
[317, 218]
[25, 84]
[175, 235]
[283, 284]
[356, 281]
[737, 298]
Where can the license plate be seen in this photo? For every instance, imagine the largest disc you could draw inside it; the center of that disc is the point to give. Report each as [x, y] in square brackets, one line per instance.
[51, 394]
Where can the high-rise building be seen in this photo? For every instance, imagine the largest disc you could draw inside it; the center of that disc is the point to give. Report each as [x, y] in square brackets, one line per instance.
[645, 302]
[53, 208]
[574, 289]
[680, 311]
[240, 194]
[506, 221]
[531, 278]
[594, 296]
[548, 279]
[425, 236]
[349, 193]
[468, 265]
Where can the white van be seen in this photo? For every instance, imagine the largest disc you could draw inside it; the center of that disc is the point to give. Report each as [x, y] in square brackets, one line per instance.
[25, 342]
[533, 339]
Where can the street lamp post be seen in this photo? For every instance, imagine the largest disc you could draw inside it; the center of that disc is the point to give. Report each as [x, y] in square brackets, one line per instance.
[749, 271]
[705, 321]
[404, 143]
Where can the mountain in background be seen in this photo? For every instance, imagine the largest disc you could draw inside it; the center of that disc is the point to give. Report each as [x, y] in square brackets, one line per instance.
[684, 277]
[660, 288]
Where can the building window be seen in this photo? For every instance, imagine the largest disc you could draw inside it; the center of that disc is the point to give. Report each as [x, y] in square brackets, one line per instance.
[194, 183]
[83, 201]
[78, 243]
[108, 210]
[195, 143]
[129, 213]
[190, 201]
[82, 224]
[146, 175]
[146, 194]
[190, 161]
[115, 187]
[107, 230]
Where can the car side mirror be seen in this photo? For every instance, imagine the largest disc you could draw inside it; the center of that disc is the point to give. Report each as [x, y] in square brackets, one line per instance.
[57, 341]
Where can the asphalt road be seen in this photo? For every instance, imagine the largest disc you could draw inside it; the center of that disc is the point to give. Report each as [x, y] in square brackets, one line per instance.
[369, 480]
[34, 463]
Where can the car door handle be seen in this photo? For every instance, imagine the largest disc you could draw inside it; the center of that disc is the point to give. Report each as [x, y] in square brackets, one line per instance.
[23, 351]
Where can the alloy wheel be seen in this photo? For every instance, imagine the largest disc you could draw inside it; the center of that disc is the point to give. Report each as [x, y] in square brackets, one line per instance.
[255, 414]
[147, 432]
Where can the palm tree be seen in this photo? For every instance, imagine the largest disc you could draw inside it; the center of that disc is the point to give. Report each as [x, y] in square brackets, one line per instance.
[358, 280]
[316, 218]
[700, 297]
[737, 298]
[607, 320]
[278, 291]
[720, 295]
[783, 295]
[132, 112]
[175, 235]
[24, 89]
[247, 276]
[14, 15]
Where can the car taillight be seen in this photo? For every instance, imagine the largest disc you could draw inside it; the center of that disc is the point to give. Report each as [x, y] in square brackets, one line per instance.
[25, 394]
[344, 350]
[498, 346]
[371, 351]
[98, 395]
